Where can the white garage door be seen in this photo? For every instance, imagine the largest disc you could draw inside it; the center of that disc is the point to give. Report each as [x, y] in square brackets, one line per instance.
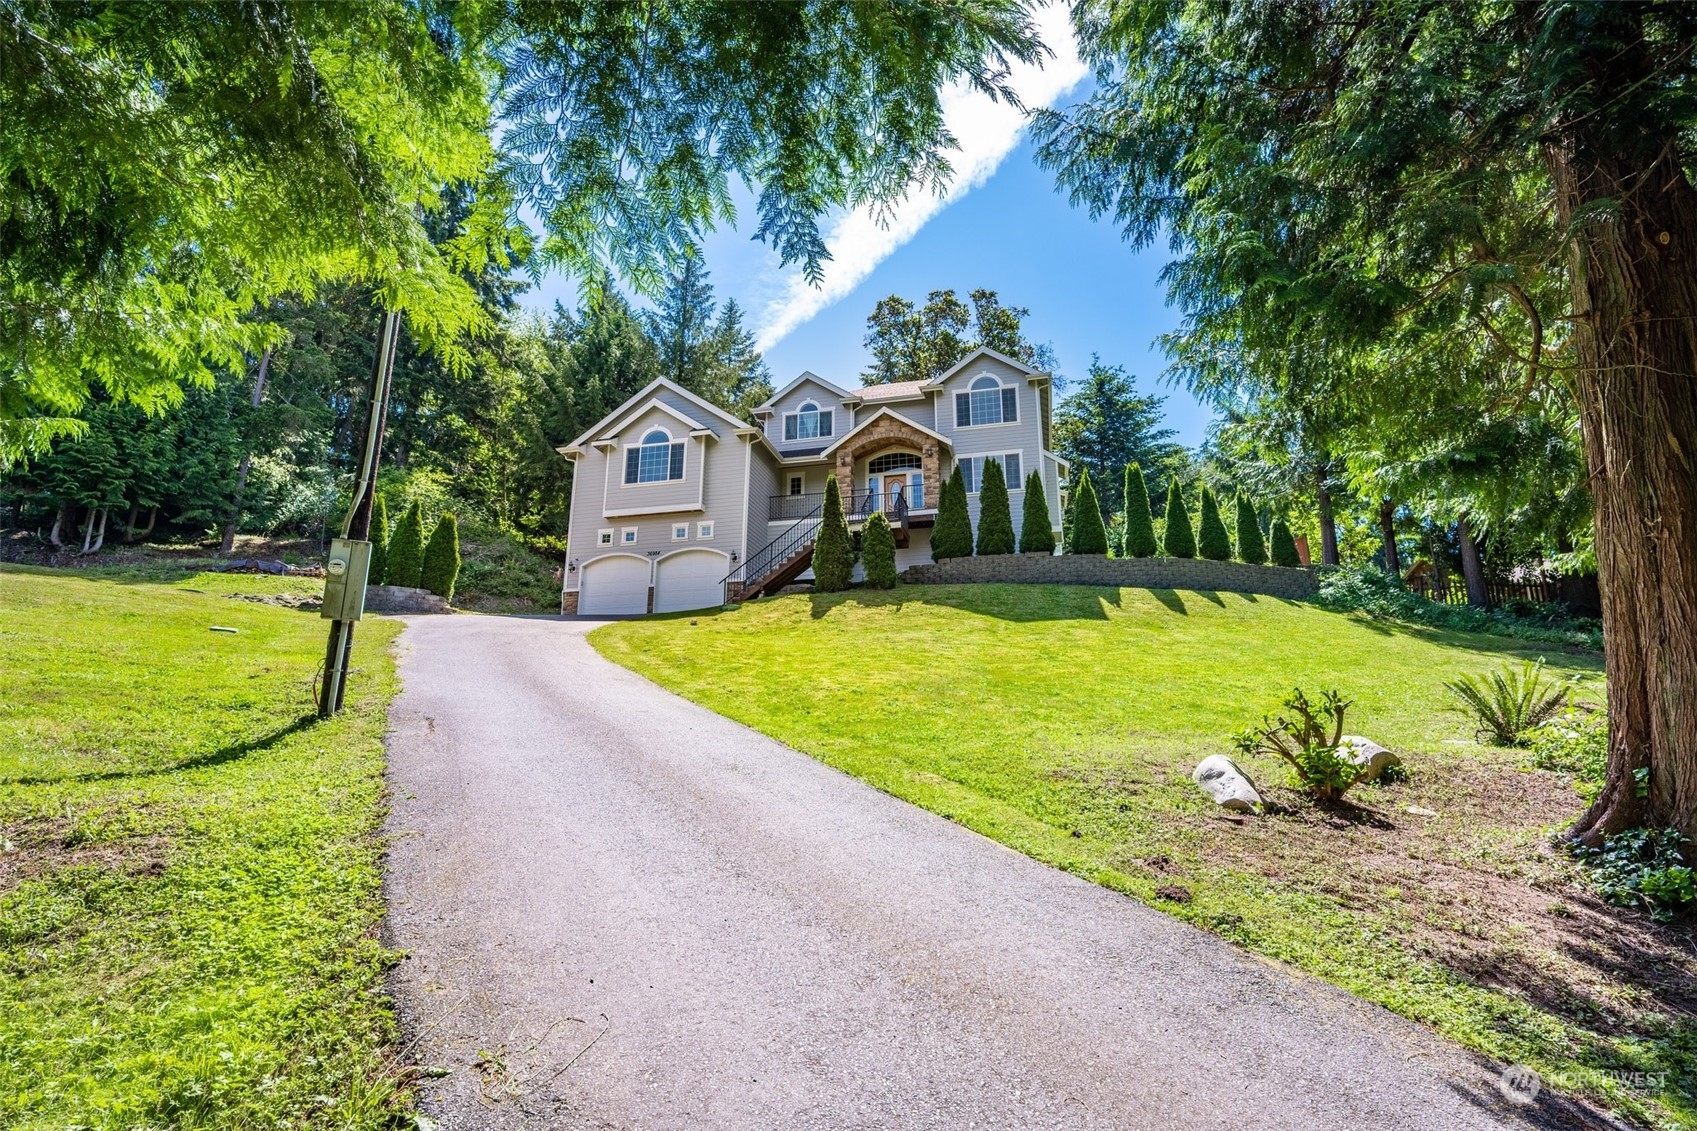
[614, 586]
[690, 580]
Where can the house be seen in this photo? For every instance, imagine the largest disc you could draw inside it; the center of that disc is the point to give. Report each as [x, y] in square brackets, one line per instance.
[676, 504]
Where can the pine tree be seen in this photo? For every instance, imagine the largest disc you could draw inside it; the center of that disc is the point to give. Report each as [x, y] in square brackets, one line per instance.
[379, 540]
[1284, 546]
[833, 552]
[1181, 538]
[1036, 532]
[1139, 520]
[1089, 535]
[878, 551]
[952, 536]
[1251, 547]
[1212, 540]
[995, 516]
[406, 548]
[442, 558]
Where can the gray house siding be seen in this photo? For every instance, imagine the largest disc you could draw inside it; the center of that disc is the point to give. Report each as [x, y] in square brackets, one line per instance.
[1025, 435]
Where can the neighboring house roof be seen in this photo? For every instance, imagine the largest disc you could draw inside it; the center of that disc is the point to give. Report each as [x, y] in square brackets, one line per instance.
[879, 415]
[643, 400]
[806, 376]
[891, 390]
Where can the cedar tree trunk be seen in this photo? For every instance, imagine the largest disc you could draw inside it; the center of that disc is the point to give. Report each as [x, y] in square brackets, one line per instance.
[1387, 528]
[1472, 568]
[1328, 524]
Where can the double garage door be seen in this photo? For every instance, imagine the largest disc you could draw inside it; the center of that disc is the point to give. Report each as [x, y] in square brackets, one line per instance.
[617, 585]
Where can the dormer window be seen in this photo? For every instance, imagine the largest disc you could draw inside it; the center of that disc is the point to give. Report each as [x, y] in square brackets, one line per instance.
[807, 423]
[986, 401]
[656, 459]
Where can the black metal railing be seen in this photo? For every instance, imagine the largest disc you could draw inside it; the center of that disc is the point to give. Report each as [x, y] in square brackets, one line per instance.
[781, 549]
[784, 508]
[787, 508]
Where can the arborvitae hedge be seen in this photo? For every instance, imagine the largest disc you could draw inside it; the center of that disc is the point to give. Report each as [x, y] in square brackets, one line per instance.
[442, 558]
[833, 552]
[1251, 547]
[995, 515]
[1284, 546]
[379, 541]
[1181, 539]
[1089, 535]
[1212, 540]
[1139, 522]
[952, 536]
[878, 551]
[1036, 531]
[406, 548]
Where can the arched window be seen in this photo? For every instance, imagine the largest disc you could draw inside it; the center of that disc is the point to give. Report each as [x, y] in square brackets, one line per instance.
[894, 461]
[986, 401]
[809, 422]
[656, 459]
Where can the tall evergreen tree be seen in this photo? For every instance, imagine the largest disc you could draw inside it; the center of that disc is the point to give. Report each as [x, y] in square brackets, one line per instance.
[682, 321]
[1036, 530]
[1139, 521]
[441, 565]
[878, 551]
[833, 551]
[1212, 541]
[1105, 423]
[951, 537]
[379, 541]
[1251, 547]
[1284, 546]
[1180, 540]
[1089, 533]
[406, 549]
[995, 515]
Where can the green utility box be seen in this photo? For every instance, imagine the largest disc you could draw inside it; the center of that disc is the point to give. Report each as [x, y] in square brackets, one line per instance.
[344, 579]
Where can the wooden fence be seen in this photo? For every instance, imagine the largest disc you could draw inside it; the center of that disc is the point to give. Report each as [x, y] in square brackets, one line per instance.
[1453, 590]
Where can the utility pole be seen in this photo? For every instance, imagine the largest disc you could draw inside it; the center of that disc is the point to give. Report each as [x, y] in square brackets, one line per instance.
[350, 555]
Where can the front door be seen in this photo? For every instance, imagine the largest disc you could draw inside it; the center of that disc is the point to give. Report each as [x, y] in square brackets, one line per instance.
[895, 492]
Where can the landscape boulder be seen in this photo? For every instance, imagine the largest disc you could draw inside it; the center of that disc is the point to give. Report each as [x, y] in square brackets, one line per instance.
[1224, 781]
[1365, 752]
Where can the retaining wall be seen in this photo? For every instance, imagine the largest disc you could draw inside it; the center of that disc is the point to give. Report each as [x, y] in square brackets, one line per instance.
[1136, 573]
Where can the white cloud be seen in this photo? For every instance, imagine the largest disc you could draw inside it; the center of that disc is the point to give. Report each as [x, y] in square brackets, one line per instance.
[986, 131]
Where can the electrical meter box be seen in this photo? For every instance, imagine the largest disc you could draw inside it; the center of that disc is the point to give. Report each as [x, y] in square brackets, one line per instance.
[344, 579]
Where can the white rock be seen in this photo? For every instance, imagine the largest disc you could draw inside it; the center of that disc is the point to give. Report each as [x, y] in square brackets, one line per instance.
[1366, 752]
[1222, 779]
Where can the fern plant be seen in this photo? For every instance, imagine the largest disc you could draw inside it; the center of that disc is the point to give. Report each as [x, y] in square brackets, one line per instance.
[1509, 703]
[1309, 738]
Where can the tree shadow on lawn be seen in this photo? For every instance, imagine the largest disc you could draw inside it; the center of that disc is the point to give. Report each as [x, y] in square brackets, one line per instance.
[1570, 654]
[218, 757]
[1021, 603]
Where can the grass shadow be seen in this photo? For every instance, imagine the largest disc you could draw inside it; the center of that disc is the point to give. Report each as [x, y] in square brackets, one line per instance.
[1009, 602]
[218, 757]
[1171, 599]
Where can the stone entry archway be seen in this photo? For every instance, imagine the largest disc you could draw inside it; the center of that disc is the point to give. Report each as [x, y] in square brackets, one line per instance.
[891, 432]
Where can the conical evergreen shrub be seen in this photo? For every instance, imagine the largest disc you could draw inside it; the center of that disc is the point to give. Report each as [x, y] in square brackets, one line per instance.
[442, 558]
[1181, 538]
[1036, 529]
[1139, 521]
[952, 536]
[1284, 546]
[1089, 535]
[1212, 540]
[995, 515]
[379, 540]
[878, 551]
[406, 548]
[833, 551]
[1251, 547]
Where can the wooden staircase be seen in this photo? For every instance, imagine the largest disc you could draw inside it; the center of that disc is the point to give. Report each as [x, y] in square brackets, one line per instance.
[775, 579]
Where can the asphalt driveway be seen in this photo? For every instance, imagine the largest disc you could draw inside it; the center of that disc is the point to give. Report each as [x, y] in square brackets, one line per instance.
[622, 910]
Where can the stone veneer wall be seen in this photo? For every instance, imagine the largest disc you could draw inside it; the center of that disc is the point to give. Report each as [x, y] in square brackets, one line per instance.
[1137, 573]
[401, 599]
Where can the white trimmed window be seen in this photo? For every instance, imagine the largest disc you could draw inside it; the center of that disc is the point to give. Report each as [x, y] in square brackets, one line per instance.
[680, 532]
[704, 531]
[629, 536]
[972, 470]
[808, 423]
[657, 459]
[605, 537]
[796, 484]
[986, 401]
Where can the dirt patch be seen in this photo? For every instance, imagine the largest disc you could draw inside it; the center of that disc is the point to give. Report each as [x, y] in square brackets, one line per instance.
[281, 600]
[32, 849]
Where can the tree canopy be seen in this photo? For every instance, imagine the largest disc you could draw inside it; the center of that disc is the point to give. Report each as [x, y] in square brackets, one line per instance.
[921, 343]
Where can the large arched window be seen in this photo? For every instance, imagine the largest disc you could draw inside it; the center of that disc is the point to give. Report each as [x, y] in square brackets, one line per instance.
[656, 459]
[894, 461]
[809, 422]
[986, 401]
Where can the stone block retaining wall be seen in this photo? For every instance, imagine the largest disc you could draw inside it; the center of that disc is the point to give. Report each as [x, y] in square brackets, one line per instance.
[1137, 573]
[403, 599]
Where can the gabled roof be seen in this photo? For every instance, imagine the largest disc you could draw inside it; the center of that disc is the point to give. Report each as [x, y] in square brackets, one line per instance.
[881, 413]
[806, 375]
[985, 351]
[620, 416]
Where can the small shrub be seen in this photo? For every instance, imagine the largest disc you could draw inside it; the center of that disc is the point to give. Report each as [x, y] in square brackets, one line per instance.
[1139, 539]
[406, 548]
[833, 552]
[379, 540]
[1644, 868]
[1036, 530]
[1576, 742]
[1089, 534]
[441, 567]
[1251, 547]
[878, 551]
[995, 517]
[1284, 546]
[1370, 590]
[952, 536]
[1212, 541]
[1180, 538]
[1309, 737]
[1509, 703]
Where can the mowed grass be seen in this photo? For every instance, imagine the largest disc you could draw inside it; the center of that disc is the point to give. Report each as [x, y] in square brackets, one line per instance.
[1065, 722]
[190, 883]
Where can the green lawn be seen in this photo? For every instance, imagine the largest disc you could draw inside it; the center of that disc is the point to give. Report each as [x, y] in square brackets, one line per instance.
[190, 883]
[1064, 722]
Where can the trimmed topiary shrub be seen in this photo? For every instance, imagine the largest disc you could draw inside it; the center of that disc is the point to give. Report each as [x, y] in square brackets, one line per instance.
[1139, 539]
[1284, 546]
[995, 516]
[1181, 538]
[1089, 535]
[1036, 530]
[442, 558]
[878, 551]
[952, 536]
[833, 552]
[1251, 547]
[406, 548]
[379, 540]
[1212, 541]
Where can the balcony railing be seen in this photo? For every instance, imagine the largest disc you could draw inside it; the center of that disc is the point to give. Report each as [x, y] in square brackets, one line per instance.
[786, 508]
